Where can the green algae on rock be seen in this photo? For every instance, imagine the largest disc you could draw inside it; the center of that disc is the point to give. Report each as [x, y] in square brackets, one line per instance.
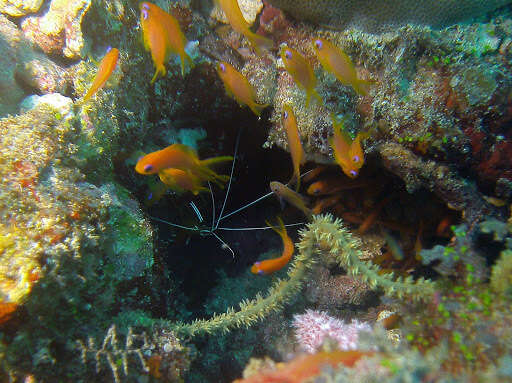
[374, 15]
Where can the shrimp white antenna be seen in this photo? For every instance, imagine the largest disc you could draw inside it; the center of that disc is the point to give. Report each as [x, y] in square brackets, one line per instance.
[224, 244]
[230, 177]
[196, 210]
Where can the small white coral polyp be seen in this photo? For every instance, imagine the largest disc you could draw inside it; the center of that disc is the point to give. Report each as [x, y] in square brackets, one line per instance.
[314, 327]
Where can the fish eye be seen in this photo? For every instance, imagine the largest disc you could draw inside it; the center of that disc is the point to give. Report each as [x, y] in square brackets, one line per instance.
[145, 6]
[285, 114]
[288, 54]
[260, 272]
[109, 48]
[222, 67]
[353, 173]
[355, 159]
[148, 168]
[145, 14]
[319, 44]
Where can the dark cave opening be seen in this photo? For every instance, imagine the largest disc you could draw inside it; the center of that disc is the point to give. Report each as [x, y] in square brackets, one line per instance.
[193, 257]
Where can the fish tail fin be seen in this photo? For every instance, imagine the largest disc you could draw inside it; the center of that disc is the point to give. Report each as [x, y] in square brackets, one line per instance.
[207, 174]
[186, 60]
[215, 160]
[220, 180]
[281, 229]
[159, 70]
[258, 42]
[295, 180]
[313, 93]
[362, 87]
[86, 97]
[257, 108]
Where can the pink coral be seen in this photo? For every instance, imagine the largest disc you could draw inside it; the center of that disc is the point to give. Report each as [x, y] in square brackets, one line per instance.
[313, 327]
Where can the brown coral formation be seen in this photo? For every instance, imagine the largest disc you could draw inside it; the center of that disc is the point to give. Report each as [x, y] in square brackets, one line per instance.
[59, 30]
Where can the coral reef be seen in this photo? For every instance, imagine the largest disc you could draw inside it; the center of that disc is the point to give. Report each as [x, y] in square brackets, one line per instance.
[313, 328]
[59, 30]
[19, 8]
[375, 15]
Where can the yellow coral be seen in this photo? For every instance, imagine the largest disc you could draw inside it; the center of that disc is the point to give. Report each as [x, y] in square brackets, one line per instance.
[18, 264]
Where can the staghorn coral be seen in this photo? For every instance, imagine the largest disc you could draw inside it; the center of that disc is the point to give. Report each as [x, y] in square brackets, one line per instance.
[329, 238]
[325, 237]
[258, 308]
[377, 15]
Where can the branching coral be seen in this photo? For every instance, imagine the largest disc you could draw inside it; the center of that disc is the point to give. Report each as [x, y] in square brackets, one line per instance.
[110, 351]
[325, 236]
[258, 308]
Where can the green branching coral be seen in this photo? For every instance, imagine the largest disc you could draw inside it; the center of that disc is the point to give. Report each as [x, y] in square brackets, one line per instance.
[325, 236]
[374, 15]
[328, 237]
[258, 308]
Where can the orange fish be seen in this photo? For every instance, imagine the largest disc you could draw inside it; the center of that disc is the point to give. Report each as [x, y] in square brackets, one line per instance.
[238, 87]
[294, 145]
[325, 203]
[348, 154]
[238, 23]
[268, 266]
[305, 367]
[181, 181]
[107, 66]
[335, 61]
[162, 37]
[181, 157]
[284, 193]
[301, 72]
[332, 186]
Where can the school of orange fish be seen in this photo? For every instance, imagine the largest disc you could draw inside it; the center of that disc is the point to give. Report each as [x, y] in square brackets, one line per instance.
[179, 167]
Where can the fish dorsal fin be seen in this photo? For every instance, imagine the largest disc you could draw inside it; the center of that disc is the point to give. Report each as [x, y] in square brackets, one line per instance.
[185, 149]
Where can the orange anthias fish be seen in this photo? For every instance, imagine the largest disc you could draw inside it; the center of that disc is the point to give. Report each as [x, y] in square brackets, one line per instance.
[238, 87]
[284, 193]
[180, 181]
[179, 156]
[332, 186]
[348, 154]
[304, 367]
[294, 144]
[301, 72]
[162, 37]
[238, 23]
[335, 61]
[107, 66]
[268, 266]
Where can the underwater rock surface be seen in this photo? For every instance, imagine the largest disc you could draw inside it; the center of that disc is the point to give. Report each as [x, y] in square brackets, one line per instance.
[377, 15]
[109, 275]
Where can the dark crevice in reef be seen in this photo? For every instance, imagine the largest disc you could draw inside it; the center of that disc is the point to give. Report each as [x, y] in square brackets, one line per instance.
[193, 259]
